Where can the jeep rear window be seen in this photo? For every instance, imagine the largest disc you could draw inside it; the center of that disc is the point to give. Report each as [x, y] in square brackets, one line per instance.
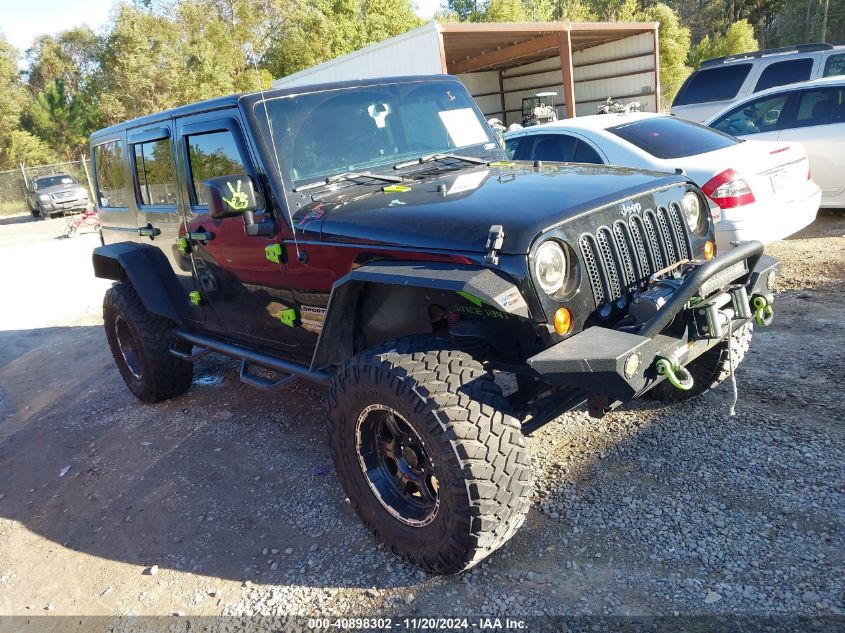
[366, 128]
[671, 137]
[155, 181]
[713, 84]
[108, 165]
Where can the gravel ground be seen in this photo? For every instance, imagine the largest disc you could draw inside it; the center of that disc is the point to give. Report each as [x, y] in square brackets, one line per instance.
[666, 511]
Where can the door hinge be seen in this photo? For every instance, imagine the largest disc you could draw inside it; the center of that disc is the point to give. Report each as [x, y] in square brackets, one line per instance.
[275, 253]
[185, 244]
[289, 317]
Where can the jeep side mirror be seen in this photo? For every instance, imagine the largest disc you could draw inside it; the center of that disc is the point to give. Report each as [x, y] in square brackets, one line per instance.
[230, 195]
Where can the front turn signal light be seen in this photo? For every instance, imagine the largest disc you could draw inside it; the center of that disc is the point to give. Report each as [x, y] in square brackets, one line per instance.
[563, 321]
[709, 250]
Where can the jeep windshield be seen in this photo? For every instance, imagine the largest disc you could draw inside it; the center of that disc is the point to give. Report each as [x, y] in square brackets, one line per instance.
[369, 129]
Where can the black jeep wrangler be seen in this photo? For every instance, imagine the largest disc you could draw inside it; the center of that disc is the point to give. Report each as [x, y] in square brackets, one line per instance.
[372, 238]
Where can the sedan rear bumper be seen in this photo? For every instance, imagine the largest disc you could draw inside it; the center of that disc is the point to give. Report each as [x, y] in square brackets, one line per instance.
[768, 224]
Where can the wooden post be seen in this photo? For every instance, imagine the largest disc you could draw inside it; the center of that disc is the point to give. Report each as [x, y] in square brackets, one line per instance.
[502, 99]
[656, 70]
[565, 47]
[88, 178]
[23, 173]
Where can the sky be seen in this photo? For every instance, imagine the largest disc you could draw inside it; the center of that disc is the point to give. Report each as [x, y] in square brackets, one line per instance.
[23, 20]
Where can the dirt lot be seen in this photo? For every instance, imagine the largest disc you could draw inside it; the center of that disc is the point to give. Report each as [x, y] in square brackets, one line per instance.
[230, 492]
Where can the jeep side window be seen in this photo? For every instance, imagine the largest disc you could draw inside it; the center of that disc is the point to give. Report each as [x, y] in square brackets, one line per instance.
[835, 65]
[108, 167]
[212, 154]
[782, 73]
[155, 182]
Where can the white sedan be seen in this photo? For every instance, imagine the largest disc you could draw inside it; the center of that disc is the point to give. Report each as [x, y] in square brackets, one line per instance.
[812, 112]
[757, 190]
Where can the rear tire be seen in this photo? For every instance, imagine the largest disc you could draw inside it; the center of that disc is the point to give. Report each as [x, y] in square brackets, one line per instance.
[140, 343]
[709, 370]
[470, 473]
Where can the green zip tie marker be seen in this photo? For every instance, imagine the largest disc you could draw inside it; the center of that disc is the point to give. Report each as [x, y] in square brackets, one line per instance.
[288, 317]
[395, 188]
[274, 253]
[501, 163]
[184, 245]
[196, 297]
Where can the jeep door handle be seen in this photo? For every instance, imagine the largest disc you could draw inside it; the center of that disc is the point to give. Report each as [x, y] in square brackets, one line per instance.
[149, 231]
[201, 236]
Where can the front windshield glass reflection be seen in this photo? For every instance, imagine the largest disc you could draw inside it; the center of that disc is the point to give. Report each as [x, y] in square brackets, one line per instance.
[361, 129]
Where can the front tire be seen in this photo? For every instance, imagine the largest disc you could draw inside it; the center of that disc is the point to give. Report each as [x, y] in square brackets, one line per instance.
[710, 369]
[140, 343]
[427, 453]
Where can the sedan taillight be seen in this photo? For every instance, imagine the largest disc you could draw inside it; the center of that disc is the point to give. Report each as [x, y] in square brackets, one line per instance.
[728, 190]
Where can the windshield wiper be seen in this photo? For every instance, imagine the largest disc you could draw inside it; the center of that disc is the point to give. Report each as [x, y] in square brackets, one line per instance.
[440, 156]
[349, 175]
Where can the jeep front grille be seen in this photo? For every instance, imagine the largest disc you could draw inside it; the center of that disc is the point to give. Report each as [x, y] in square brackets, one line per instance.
[620, 258]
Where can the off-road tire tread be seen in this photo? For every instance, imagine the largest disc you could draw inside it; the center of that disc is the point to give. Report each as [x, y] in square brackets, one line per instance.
[471, 411]
[708, 370]
[164, 376]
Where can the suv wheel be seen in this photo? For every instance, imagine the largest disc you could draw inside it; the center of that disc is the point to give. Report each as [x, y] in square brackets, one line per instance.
[426, 451]
[140, 343]
[710, 369]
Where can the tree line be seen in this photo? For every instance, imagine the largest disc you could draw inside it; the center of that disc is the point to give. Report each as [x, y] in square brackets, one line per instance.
[157, 54]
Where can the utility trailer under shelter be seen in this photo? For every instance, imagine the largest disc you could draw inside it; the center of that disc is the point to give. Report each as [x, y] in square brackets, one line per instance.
[502, 63]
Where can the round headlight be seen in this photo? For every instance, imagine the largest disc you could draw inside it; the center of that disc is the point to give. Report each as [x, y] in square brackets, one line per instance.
[691, 206]
[550, 267]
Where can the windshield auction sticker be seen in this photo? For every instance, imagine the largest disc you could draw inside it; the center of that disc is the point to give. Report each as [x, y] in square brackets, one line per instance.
[468, 182]
[463, 127]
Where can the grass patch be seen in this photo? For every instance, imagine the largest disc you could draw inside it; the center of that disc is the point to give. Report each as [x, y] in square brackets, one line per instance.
[12, 208]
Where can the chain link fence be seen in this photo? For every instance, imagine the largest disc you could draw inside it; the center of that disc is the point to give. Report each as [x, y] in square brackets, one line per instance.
[15, 184]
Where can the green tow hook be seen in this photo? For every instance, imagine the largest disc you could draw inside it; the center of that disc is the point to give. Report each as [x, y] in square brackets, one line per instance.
[763, 313]
[677, 376]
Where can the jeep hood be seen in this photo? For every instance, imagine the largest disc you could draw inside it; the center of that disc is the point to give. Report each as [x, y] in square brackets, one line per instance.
[454, 210]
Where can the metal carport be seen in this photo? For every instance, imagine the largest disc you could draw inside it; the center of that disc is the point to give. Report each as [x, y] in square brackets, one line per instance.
[501, 63]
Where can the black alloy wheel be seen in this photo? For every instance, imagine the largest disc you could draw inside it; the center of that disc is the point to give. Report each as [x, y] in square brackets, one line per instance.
[397, 466]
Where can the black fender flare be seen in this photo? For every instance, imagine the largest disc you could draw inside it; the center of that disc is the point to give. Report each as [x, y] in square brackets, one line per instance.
[151, 275]
[476, 284]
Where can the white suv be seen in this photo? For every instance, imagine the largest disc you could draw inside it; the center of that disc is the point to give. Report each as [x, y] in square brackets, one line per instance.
[719, 82]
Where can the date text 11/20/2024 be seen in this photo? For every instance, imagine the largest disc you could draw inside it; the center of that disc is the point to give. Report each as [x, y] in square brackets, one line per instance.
[418, 624]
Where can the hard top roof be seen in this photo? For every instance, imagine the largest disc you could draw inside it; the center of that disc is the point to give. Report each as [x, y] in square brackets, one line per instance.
[252, 97]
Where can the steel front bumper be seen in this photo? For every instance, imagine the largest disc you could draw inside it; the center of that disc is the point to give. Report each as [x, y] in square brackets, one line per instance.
[622, 365]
